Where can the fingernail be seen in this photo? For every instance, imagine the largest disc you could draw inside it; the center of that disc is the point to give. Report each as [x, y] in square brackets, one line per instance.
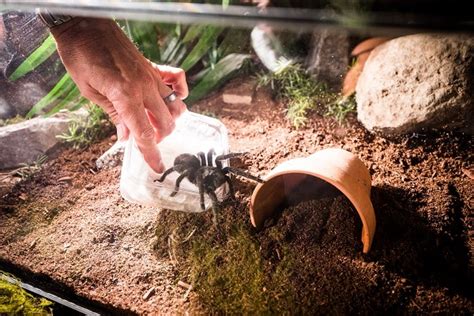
[161, 167]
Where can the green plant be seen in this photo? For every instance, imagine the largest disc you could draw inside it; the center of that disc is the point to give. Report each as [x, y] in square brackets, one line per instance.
[294, 85]
[353, 13]
[209, 54]
[64, 95]
[199, 48]
[84, 131]
[36, 58]
[222, 71]
[342, 107]
[26, 171]
[16, 301]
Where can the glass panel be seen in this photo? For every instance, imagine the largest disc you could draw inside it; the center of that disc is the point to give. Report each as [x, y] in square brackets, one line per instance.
[269, 157]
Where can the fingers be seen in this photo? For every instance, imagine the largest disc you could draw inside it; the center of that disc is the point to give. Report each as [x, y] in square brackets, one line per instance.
[174, 77]
[135, 118]
[124, 115]
[139, 110]
[164, 112]
[122, 130]
[159, 115]
[176, 107]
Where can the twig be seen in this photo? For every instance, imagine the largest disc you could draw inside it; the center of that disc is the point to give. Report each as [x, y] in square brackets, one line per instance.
[187, 286]
[171, 251]
[189, 236]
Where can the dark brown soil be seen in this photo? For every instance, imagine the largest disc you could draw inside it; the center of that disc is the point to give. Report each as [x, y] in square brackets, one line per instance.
[321, 237]
[69, 225]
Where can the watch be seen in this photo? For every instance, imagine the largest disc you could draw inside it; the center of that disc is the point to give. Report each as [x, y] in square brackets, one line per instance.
[51, 19]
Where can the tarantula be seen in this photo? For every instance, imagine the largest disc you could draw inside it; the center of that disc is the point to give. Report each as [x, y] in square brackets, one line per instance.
[205, 176]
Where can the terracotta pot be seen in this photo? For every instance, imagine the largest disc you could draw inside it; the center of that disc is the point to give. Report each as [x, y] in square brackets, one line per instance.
[313, 177]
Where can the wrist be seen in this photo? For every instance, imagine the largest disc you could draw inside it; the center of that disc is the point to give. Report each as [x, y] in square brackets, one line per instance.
[63, 28]
[80, 27]
[52, 20]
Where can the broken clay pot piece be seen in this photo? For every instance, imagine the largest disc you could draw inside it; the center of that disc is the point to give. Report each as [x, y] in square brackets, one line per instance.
[361, 52]
[314, 177]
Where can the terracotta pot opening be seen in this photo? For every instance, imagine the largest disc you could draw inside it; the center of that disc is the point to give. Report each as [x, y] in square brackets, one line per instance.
[318, 175]
[289, 190]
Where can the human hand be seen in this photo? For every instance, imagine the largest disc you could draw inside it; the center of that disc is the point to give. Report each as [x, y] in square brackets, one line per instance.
[110, 71]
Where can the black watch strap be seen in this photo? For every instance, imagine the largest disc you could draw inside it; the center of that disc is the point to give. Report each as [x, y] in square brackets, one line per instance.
[52, 19]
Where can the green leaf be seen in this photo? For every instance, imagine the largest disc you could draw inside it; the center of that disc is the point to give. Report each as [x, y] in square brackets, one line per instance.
[63, 87]
[193, 32]
[72, 96]
[205, 43]
[171, 47]
[235, 41]
[145, 34]
[215, 77]
[82, 101]
[37, 57]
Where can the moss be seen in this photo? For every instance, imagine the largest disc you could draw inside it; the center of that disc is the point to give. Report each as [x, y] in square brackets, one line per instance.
[230, 276]
[11, 121]
[16, 301]
[225, 265]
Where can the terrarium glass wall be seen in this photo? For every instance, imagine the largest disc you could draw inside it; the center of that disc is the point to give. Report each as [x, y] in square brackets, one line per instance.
[324, 161]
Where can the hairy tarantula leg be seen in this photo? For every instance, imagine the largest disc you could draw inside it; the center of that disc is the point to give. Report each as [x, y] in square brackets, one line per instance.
[227, 156]
[210, 154]
[199, 184]
[243, 174]
[202, 157]
[178, 182]
[164, 175]
[215, 206]
[231, 187]
[230, 156]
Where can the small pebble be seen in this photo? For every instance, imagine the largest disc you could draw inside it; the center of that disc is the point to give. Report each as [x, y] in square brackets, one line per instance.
[184, 285]
[33, 243]
[89, 186]
[149, 293]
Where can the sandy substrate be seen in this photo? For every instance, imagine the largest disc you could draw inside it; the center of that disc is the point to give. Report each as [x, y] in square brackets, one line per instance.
[69, 226]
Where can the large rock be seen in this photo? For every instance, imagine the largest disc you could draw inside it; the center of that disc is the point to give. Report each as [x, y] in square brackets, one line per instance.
[24, 142]
[418, 82]
[328, 59]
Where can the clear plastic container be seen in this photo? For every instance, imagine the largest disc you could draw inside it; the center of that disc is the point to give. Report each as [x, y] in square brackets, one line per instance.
[193, 133]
